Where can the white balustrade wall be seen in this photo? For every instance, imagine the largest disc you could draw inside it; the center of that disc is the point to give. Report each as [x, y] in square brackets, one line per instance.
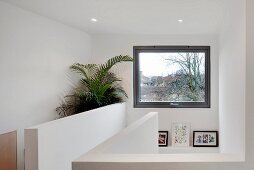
[53, 145]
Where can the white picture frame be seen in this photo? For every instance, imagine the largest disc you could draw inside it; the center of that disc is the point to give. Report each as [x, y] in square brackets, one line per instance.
[181, 134]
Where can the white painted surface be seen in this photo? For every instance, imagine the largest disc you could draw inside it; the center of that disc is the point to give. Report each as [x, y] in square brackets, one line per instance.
[35, 54]
[141, 137]
[159, 161]
[197, 166]
[187, 150]
[31, 149]
[232, 61]
[247, 165]
[120, 151]
[162, 158]
[132, 16]
[63, 140]
[105, 46]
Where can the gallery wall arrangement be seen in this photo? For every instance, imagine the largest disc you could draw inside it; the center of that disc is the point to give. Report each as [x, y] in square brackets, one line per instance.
[180, 137]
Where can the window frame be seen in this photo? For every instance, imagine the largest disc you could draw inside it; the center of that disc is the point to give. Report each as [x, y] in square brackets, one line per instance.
[136, 73]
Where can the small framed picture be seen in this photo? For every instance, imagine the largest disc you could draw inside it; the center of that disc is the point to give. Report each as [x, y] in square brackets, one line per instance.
[181, 134]
[205, 139]
[163, 139]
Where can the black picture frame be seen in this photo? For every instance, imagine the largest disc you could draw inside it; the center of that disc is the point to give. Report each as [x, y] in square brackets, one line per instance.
[136, 77]
[165, 144]
[206, 144]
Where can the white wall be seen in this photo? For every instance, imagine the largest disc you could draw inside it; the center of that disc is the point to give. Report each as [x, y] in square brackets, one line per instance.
[135, 147]
[106, 46]
[249, 163]
[232, 61]
[63, 140]
[141, 137]
[249, 98]
[18, 26]
[35, 54]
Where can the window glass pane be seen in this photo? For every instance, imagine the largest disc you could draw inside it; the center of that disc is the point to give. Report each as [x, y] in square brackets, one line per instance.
[172, 77]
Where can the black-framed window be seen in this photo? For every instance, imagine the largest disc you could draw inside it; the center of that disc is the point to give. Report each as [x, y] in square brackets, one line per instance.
[171, 76]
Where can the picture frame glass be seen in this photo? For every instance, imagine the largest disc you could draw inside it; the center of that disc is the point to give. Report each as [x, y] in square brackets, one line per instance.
[205, 138]
[163, 138]
[181, 134]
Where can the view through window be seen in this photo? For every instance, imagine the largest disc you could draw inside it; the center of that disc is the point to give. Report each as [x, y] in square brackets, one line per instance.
[171, 76]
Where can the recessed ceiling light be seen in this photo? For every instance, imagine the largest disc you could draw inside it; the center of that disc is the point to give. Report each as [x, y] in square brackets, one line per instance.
[180, 20]
[94, 20]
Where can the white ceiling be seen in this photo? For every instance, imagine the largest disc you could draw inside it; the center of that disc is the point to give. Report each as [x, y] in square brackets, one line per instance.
[132, 16]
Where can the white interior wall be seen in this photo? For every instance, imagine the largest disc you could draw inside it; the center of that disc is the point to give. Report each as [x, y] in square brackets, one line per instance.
[18, 23]
[35, 53]
[64, 140]
[249, 163]
[140, 137]
[106, 46]
[232, 61]
[132, 140]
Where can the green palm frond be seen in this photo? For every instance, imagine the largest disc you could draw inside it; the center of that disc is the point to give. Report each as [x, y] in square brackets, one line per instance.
[113, 61]
[110, 78]
[98, 87]
[85, 70]
[104, 68]
[79, 68]
[118, 90]
[91, 69]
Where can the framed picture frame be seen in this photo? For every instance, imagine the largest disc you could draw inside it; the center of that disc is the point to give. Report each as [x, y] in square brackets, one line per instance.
[181, 134]
[163, 138]
[205, 139]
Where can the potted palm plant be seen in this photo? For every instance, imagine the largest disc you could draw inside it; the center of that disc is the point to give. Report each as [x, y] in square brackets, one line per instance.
[98, 87]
